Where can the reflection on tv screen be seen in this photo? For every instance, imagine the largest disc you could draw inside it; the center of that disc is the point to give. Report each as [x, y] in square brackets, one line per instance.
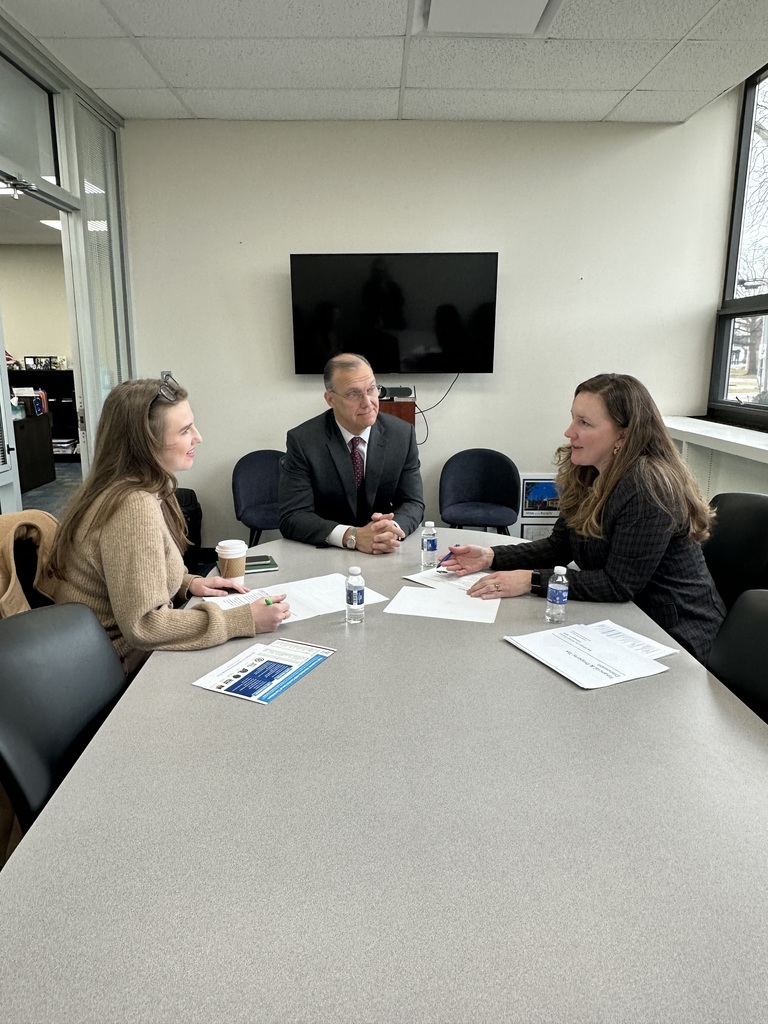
[405, 312]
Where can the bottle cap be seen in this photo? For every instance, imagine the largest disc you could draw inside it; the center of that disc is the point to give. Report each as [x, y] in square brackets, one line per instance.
[429, 523]
[560, 570]
[355, 570]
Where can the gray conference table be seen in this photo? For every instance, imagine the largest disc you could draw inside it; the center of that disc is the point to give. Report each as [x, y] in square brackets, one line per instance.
[431, 826]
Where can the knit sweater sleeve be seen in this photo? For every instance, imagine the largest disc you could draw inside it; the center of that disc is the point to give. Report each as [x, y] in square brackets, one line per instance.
[144, 571]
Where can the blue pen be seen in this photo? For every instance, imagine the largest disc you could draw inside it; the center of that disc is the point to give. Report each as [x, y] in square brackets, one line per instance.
[444, 559]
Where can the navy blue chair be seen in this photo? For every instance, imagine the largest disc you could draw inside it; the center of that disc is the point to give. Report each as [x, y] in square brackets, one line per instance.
[480, 488]
[739, 655]
[254, 490]
[737, 552]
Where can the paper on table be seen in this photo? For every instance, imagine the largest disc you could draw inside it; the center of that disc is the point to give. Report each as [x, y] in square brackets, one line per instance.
[441, 578]
[634, 641]
[263, 672]
[585, 656]
[443, 603]
[307, 598]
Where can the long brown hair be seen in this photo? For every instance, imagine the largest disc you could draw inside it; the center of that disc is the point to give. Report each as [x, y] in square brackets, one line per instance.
[129, 444]
[647, 450]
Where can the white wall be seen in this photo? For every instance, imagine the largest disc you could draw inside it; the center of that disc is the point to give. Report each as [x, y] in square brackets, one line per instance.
[611, 242]
[33, 301]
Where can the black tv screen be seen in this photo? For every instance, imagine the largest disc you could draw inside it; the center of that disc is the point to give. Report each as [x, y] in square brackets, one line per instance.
[415, 312]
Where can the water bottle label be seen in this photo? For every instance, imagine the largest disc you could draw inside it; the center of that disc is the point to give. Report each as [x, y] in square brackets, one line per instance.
[429, 544]
[355, 596]
[557, 595]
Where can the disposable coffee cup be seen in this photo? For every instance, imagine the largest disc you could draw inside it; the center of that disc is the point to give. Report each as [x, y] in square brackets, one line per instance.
[231, 555]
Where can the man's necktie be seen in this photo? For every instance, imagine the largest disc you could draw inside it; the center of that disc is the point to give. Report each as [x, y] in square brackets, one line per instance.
[357, 461]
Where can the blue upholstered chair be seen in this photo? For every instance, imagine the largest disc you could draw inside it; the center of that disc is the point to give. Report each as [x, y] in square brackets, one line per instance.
[254, 490]
[480, 488]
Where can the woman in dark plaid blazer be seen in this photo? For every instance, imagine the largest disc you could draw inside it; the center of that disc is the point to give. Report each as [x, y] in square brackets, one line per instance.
[632, 518]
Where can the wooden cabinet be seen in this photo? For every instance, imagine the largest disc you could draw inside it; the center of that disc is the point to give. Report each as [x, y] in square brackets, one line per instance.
[404, 409]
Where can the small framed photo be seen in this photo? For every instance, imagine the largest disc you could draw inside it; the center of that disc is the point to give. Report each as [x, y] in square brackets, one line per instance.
[41, 362]
[535, 531]
[540, 499]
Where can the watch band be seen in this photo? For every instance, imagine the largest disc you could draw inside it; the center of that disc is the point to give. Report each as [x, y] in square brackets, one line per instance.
[536, 581]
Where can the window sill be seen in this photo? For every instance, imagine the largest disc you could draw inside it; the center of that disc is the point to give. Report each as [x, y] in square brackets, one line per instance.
[720, 437]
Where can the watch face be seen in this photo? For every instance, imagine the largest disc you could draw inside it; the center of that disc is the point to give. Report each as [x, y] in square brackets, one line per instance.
[351, 541]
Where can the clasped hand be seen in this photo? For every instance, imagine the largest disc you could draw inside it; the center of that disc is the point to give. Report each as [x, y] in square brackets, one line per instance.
[379, 536]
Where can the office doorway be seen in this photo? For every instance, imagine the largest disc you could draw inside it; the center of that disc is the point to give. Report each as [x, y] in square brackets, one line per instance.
[38, 338]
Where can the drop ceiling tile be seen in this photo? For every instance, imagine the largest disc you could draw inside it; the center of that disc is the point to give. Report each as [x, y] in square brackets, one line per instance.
[627, 19]
[700, 66]
[74, 18]
[105, 63]
[735, 19]
[144, 103]
[293, 104]
[660, 107]
[246, 18]
[277, 63]
[485, 63]
[507, 105]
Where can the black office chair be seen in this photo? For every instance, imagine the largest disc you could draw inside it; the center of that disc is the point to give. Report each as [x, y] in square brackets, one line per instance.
[254, 490]
[739, 655]
[480, 488]
[737, 552]
[59, 679]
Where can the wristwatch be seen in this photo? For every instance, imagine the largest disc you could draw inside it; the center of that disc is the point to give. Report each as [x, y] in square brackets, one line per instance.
[536, 581]
[351, 541]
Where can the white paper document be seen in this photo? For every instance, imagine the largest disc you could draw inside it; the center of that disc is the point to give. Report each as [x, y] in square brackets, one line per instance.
[443, 603]
[265, 671]
[586, 656]
[634, 641]
[442, 578]
[307, 598]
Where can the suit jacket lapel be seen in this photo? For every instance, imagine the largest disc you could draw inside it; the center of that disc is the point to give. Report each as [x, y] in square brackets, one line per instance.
[343, 462]
[374, 463]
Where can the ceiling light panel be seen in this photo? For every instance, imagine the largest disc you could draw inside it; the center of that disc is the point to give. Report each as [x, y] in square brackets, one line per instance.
[486, 17]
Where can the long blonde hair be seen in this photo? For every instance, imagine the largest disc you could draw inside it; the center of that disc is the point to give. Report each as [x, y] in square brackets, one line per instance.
[129, 444]
[647, 451]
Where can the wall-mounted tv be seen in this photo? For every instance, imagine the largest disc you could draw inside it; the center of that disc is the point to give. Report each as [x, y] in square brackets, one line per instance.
[406, 312]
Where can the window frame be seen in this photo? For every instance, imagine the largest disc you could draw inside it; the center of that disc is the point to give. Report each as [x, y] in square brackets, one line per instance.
[719, 409]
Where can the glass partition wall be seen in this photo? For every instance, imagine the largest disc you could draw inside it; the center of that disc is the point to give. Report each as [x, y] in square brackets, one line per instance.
[60, 144]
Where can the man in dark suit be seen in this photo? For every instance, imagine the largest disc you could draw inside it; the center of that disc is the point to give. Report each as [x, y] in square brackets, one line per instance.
[350, 477]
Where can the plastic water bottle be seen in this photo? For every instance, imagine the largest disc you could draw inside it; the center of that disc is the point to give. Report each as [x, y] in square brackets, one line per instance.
[557, 596]
[429, 546]
[355, 595]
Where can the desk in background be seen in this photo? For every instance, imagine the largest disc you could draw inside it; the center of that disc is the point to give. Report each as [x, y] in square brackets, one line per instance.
[431, 827]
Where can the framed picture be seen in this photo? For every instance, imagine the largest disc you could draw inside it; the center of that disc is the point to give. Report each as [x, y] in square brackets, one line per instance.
[535, 531]
[41, 362]
[539, 497]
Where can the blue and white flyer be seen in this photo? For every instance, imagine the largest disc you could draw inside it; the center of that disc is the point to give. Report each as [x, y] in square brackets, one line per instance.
[265, 671]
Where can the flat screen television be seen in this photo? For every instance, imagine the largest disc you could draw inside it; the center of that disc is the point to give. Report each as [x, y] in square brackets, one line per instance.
[406, 312]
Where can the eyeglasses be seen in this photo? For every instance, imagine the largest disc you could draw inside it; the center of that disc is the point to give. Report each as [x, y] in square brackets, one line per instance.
[357, 395]
[169, 389]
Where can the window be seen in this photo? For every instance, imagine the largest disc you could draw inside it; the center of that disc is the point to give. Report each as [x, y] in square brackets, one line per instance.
[739, 389]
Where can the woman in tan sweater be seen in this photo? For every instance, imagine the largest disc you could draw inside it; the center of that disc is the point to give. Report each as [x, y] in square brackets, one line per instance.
[119, 547]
